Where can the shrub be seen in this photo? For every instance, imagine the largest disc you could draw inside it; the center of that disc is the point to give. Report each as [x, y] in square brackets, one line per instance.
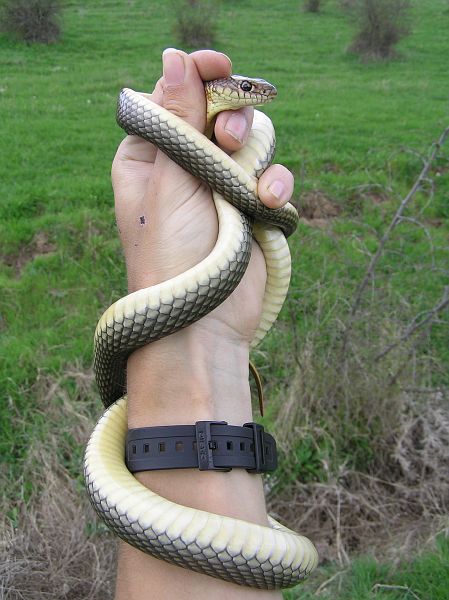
[196, 22]
[347, 4]
[312, 6]
[381, 24]
[32, 20]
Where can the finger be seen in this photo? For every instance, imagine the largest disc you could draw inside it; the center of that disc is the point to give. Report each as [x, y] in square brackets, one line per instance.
[275, 186]
[183, 81]
[211, 64]
[183, 89]
[232, 128]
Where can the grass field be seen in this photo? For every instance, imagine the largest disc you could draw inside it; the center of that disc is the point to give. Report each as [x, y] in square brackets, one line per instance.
[355, 135]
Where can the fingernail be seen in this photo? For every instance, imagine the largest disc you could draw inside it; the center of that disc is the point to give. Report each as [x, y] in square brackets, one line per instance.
[174, 67]
[277, 188]
[237, 127]
[228, 59]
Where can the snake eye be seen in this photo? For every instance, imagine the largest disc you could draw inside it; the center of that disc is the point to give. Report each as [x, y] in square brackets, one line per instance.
[246, 86]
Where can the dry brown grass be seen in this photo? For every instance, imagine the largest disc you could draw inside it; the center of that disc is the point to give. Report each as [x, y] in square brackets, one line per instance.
[54, 547]
[352, 512]
[50, 554]
[379, 481]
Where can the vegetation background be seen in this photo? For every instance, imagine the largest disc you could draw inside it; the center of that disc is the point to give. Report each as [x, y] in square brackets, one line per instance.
[356, 370]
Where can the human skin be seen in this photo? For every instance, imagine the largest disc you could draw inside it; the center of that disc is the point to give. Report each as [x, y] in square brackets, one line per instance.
[199, 373]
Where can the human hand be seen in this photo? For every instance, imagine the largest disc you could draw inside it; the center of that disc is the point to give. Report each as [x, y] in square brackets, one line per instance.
[166, 218]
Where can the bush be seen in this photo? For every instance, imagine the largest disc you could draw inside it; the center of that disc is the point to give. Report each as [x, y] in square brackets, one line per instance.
[196, 22]
[381, 24]
[32, 20]
[347, 4]
[312, 5]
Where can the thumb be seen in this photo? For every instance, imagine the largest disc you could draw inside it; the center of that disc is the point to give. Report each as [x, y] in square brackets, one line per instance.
[183, 88]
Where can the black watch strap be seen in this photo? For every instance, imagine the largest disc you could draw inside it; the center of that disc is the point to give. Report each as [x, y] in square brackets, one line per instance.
[207, 446]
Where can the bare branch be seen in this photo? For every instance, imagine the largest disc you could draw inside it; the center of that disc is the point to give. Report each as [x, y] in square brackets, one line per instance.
[405, 588]
[426, 233]
[417, 324]
[324, 585]
[431, 391]
[369, 274]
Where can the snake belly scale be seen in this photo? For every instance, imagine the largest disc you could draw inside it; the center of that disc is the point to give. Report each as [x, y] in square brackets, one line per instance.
[231, 549]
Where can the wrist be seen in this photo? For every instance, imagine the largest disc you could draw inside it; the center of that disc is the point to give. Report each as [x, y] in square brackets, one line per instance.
[189, 376]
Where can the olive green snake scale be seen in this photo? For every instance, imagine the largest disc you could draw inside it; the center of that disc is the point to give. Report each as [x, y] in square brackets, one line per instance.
[264, 557]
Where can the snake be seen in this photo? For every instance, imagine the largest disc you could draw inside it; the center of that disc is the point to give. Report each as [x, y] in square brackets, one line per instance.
[248, 554]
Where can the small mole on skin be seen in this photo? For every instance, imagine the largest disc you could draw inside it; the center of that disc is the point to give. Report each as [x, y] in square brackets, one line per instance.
[142, 220]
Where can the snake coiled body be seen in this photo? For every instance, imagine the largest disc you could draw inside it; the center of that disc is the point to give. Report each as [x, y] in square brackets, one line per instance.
[231, 549]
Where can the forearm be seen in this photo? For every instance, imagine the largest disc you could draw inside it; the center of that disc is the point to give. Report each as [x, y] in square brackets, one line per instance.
[167, 224]
[192, 375]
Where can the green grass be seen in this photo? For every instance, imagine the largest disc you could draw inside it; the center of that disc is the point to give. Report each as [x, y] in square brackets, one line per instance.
[341, 124]
[424, 578]
[340, 120]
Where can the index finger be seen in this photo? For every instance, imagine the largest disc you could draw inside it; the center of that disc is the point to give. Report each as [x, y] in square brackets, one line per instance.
[211, 64]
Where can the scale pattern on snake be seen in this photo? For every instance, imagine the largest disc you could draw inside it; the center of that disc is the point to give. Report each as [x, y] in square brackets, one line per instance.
[245, 553]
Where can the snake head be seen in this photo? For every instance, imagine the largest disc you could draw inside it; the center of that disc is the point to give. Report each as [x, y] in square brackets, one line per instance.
[236, 91]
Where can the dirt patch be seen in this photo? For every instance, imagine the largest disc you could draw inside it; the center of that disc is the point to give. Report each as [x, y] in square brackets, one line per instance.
[331, 168]
[316, 208]
[376, 197]
[366, 195]
[435, 222]
[316, 223]
[40, 245]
